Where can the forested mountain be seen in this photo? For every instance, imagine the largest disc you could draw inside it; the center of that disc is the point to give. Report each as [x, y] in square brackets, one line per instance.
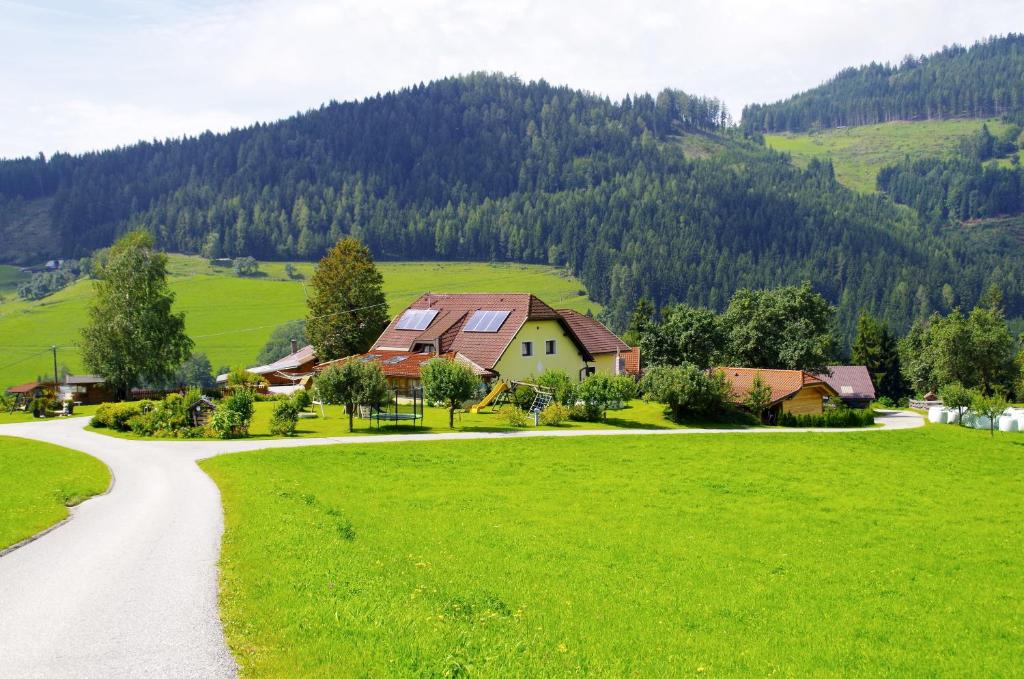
[487, 167]
[985, 80]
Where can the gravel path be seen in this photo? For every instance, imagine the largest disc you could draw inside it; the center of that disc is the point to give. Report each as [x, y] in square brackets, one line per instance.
[128, 588]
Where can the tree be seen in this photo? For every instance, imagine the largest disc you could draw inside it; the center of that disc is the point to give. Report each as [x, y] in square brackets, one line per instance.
[279, 344]
[240, 378]
[641, 322]
[687, 390]
[990, 407]
[957, 396]
[195, 371]
[132, 334]
[790, 328]
[875, 348]
[600, 391]
[448, 382]
[245, 266]
[347, 309]
[759, 398]
[352, 384]
[685, 335]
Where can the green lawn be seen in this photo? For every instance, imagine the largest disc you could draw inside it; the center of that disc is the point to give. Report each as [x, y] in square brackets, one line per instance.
[872, 554]
[334, 422]
[858, 153]
[230, 318]
[38, 482]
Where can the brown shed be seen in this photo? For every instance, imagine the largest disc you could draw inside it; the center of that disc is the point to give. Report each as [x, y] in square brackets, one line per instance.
[793, 391]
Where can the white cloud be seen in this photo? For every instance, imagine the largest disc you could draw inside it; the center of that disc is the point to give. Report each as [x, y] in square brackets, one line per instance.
[124, 70]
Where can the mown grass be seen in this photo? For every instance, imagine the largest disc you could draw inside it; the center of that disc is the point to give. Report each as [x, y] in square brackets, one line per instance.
[230, 318]
[858, 153]
[333, 422]
[871, 554]
[38, 482]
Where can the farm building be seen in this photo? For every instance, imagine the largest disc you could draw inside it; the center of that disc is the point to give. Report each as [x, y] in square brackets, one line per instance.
[508, 336]
[287, 374]
[793, 391]
[852, 383]
[85, 390]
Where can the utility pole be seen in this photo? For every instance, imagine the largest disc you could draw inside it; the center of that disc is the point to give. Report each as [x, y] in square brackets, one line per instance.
[56, 384]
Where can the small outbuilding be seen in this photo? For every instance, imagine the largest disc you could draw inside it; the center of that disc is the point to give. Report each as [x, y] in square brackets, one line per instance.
[793, 391]
[200, 411]
[85, 390]
[24, 394]
[852, 383]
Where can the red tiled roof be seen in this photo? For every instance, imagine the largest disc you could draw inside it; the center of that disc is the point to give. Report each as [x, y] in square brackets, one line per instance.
[395, 363]
[592, 333]
[24, 388]
[784, 383]
[850, 381]
[445, 330]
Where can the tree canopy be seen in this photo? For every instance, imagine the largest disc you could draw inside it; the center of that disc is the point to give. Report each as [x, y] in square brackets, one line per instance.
[133, 335]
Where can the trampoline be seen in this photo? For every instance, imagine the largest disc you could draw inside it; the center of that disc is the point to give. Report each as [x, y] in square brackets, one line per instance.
[404, 407]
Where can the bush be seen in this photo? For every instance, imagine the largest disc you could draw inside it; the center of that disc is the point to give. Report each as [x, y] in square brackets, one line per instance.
[599, 392]
[286, 416]
[302, 399]
[841, 417]
[117, 415]
[555, 414]
[688, 390]
[232, 417]
[513, 416]
[886, 402]
[561, 385]
[240, 378]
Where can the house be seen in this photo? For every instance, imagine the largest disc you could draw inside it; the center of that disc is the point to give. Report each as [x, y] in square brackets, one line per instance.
[507, 336]
[793, 391]
[401, 368]
[287, 374]
[852, 383]
[85, 390]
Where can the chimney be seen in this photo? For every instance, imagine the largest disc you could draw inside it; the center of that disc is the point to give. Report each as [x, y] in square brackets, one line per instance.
[295, 346]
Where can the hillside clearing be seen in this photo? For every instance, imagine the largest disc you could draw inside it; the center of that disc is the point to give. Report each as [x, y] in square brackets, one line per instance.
[38, 482]
[858, 153]
[230, 318]
[810, 554]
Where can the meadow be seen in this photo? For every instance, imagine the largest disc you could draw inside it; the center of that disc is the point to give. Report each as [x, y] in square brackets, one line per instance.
[873, 554]
[38, 482]
[230, 317]
[858, 153]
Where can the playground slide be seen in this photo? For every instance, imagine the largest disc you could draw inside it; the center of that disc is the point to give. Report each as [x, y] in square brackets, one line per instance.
[501, 386]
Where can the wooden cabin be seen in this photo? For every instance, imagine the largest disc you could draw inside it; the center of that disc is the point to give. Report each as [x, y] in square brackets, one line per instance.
[793, 391]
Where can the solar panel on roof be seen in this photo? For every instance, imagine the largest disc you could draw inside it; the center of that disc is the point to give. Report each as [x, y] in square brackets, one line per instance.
[416, 319]
[486, 321]
[395, 359]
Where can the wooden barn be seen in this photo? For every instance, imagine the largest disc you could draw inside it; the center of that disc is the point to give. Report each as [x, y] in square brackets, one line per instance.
[793, 391]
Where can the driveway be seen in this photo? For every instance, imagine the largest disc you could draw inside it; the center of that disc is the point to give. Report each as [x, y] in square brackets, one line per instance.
[128, 587]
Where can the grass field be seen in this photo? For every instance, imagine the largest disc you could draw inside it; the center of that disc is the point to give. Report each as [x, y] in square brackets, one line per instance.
[858, 153]
[38, 482]
[334, 422]
[230, 318]
[791, 555]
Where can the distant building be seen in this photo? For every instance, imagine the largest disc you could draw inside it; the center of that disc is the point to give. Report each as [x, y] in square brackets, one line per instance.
[852, 383]
[85, 390]
[793, 391]
[287, 374]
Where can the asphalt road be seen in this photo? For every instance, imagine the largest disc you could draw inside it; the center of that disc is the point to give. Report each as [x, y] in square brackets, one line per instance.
[128, 587]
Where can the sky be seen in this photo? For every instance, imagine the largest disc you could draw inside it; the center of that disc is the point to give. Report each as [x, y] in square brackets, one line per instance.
[79, 76]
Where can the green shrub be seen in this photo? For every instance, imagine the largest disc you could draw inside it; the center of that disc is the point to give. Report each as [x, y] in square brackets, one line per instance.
[233, 414]
[286, 416]
[117, 415]
[886, 402]
[599, 392]
[302, 399]
[513, 416]
[555, 414]
[561, 385]
[841, 417]
[688, 390]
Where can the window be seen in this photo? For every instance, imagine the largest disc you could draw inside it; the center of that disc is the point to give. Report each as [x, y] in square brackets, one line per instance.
[549, 347]
[486, 321]
[527, 348]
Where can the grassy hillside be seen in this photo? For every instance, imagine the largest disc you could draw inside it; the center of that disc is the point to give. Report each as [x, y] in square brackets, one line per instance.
[858, 153]
[803, 555]
[230, 318]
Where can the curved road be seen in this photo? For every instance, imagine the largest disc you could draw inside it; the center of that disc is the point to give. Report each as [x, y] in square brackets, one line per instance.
[128, 588]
